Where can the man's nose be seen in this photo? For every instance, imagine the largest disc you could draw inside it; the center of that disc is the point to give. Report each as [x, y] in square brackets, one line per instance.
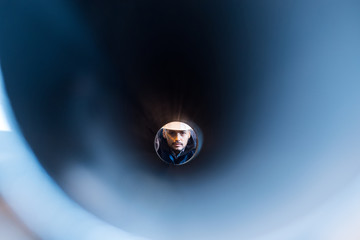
[177, 136]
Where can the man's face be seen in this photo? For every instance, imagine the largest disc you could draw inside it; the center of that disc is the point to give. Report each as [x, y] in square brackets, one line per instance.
[176, 139]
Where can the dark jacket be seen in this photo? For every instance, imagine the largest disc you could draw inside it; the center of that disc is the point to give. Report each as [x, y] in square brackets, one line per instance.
[166, 153]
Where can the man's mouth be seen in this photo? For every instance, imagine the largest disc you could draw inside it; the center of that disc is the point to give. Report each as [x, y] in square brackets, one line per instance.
[177, 144]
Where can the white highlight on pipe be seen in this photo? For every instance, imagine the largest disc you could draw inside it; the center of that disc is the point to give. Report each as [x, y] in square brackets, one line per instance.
[4, 124]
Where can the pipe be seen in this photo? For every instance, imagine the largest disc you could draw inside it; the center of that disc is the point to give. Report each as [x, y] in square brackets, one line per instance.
[273, 87]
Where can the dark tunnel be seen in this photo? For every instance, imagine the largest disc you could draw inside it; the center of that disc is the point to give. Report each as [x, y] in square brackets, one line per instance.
[270, 87]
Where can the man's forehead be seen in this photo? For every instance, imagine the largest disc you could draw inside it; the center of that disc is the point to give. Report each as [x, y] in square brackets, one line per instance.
[176, 131]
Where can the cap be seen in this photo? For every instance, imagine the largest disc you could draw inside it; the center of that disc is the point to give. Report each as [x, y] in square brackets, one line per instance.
[180, 126]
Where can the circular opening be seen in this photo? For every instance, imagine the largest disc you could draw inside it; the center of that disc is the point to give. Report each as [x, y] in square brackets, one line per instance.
[176, 143]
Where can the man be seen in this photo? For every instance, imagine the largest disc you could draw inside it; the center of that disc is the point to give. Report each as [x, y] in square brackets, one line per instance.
[175, 143]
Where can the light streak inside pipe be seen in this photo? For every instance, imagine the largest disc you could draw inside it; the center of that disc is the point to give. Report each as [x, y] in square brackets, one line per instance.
[4, 123]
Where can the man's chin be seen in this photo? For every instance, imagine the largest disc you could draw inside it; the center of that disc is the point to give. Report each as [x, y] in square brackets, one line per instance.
[180, 148]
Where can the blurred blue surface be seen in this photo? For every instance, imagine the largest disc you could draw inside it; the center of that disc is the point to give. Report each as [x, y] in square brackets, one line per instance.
[36, 200]
[298, 178]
